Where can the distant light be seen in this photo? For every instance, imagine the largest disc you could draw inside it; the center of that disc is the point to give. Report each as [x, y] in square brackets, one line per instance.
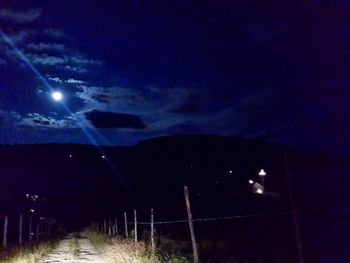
[32, 197]
[216, 182]
[262, 172]
[251, 182]
[32, 210]
[230, 171]
[70, 156]
[258, 188]
[259, 191]
[103, 156]
[57, 95]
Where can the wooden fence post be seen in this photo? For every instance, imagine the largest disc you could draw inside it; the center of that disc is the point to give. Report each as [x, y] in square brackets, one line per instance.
[110, 226]
[135, 225]
[126, 225]
[105, 226]
[37, 230]
[116, 225]
[20, 229]
[4, 240]
[153, 247]
[190, 223]
[296, 218]
[30, 227]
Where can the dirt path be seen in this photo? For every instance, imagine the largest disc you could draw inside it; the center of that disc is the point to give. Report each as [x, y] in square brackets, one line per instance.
[64, 253]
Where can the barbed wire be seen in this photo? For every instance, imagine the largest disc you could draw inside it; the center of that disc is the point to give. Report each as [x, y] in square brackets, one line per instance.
[223, 218]
[210, 218]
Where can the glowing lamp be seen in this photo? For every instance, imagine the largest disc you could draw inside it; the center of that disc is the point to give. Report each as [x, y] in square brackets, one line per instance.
[259, 191]
[262, 172]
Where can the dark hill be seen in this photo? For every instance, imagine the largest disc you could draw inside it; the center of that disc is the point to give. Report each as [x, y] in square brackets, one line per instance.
[145, 174]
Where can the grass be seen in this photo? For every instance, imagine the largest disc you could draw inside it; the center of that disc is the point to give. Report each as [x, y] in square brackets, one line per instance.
[99, 240]
[74, 246]
[169, 250]
[119, 250]
[28, 253]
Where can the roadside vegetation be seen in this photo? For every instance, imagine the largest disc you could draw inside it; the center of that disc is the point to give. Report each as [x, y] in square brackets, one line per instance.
[74, 246]
[118, 250]
[28, 253]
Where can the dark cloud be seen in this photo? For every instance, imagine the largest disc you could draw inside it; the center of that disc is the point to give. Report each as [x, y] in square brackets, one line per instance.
[47, 47]
[106, 119]
[20, 16]
[102, 98]
[62, 80]
[43, 122]
[53, 60]
[21, 36]
[186, 108]
[46, 60]
[77, 69]
[120, 98]
[55, 33]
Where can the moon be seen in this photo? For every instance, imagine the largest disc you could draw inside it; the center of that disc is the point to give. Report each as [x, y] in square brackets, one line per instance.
[57, 95]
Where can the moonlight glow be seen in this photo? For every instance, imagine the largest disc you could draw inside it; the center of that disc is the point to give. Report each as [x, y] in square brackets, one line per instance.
[57, 96]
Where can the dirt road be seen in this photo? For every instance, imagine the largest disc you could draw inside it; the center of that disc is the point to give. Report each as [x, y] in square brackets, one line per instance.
[74, 249]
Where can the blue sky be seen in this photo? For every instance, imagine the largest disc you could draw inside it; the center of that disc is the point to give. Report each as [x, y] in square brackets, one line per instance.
[133, 70]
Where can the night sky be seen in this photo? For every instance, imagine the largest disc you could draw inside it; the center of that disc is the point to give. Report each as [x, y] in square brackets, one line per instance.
[133, 70]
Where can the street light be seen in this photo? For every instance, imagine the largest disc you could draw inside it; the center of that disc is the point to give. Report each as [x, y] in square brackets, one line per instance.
[262, 175]
[262, 172]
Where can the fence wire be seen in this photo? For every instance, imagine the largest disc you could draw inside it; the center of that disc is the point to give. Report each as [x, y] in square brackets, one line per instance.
[208, 219]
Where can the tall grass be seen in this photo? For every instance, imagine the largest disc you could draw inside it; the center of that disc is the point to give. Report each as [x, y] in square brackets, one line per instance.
[120, 250]
[74, 246]
[28, 253]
